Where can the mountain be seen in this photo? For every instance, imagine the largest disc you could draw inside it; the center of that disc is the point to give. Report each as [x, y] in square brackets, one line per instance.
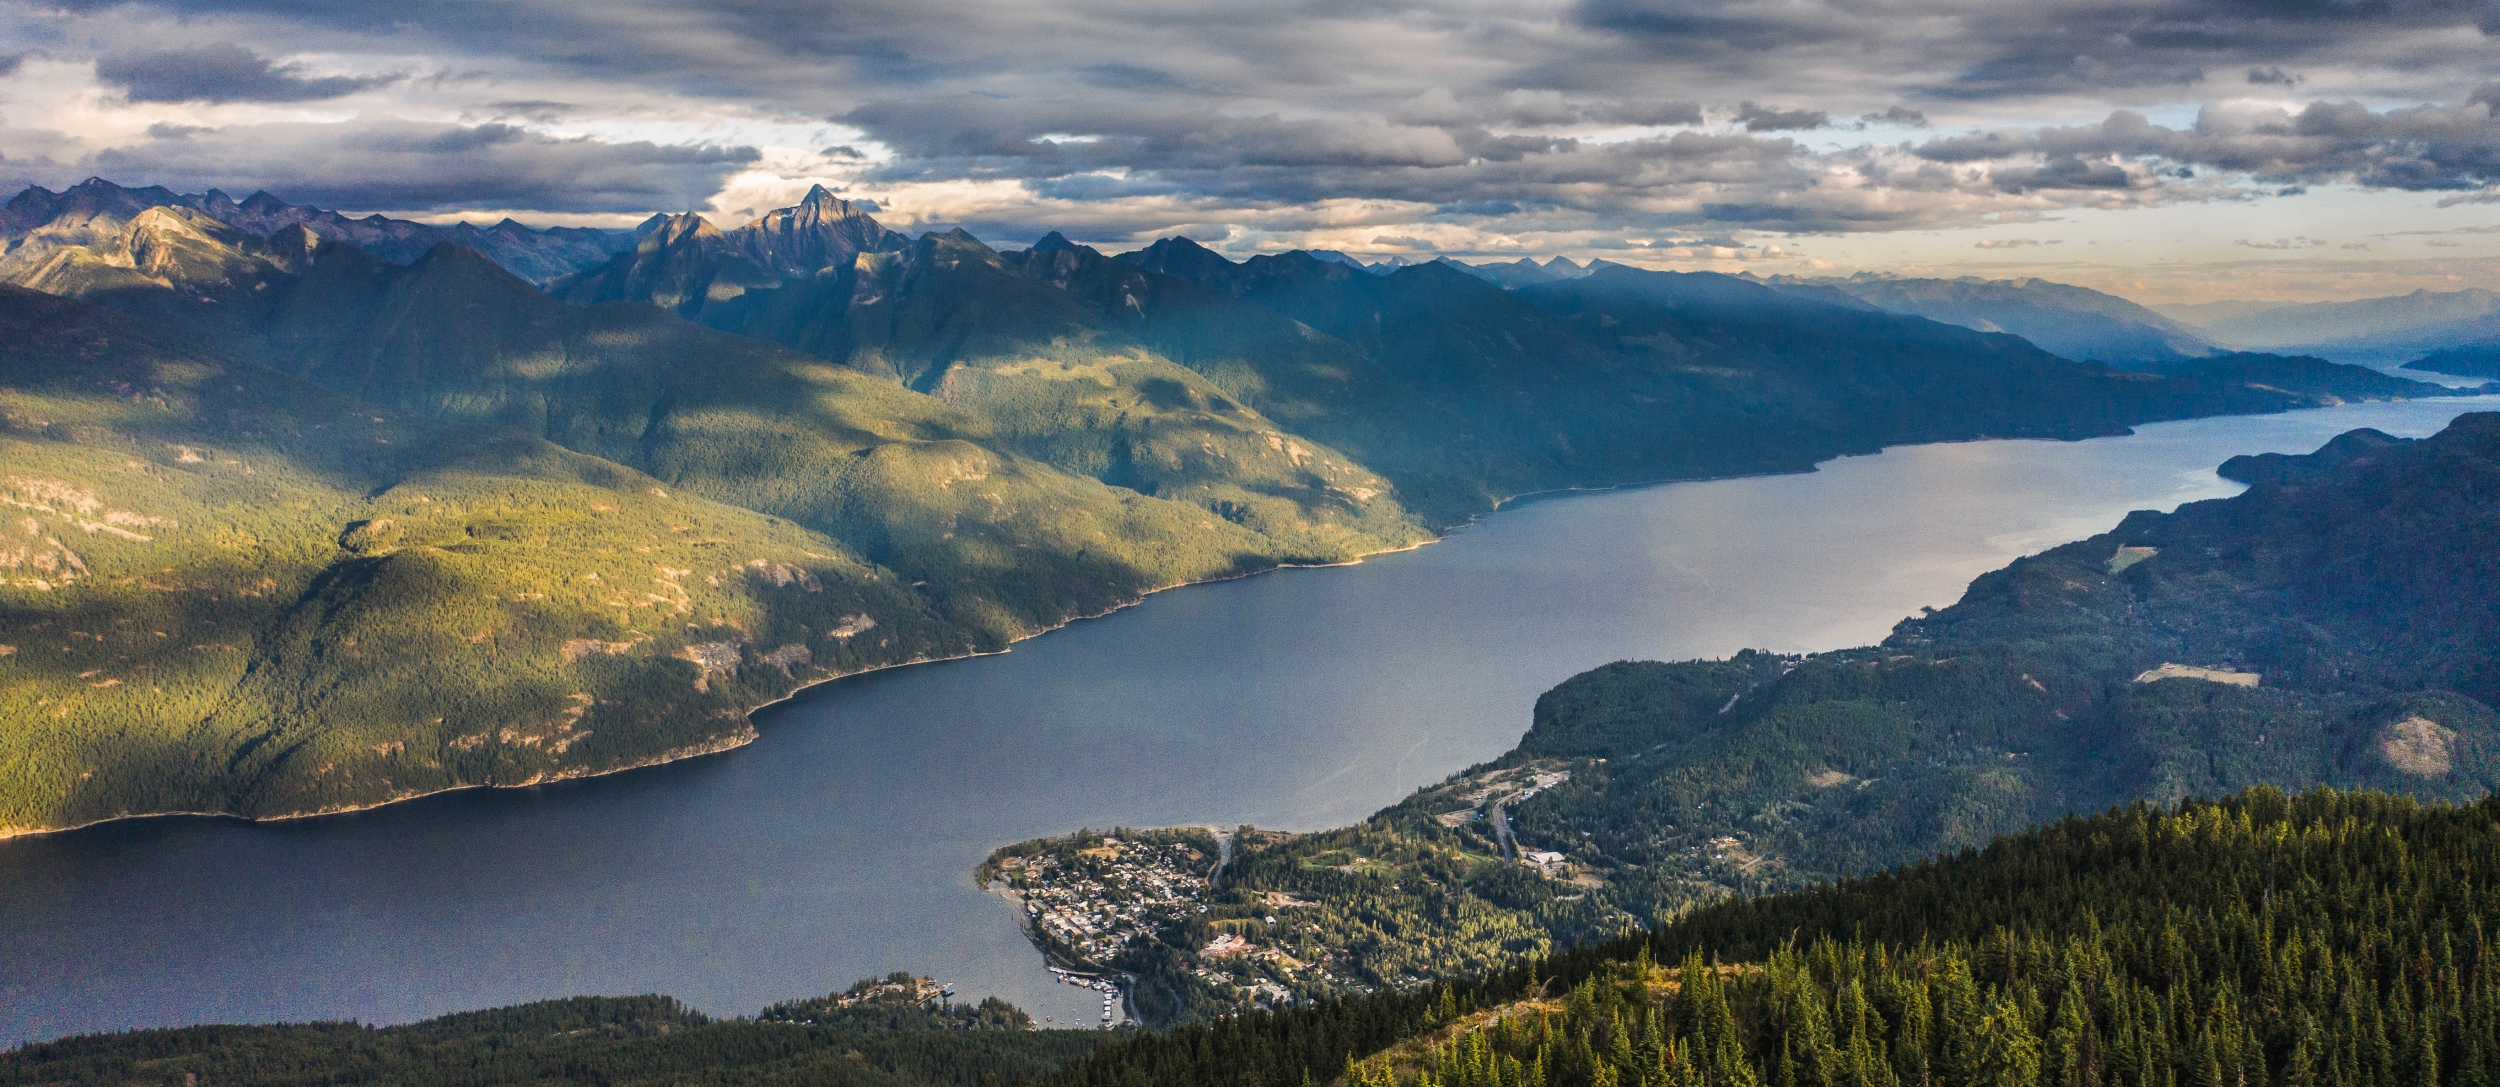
[37, 221]
[905, 528]
[1456, 393]
[2471, 360]
[947, 315]
[2370, 330]
[2205, 314]
[2338, 624]
[1464, 393]
[1521, 272]
[1180, 258]
[1001, 441]
[229, 590]
[684, 264]
[2064, 320]
[2305, 376]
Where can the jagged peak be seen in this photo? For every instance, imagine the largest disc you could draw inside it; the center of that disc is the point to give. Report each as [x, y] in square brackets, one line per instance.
[670, 229]
[261, 200]
[819, 205]
[1053, 242]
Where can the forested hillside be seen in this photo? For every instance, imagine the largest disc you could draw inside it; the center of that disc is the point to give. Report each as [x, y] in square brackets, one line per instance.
[227, 590]
[2338, 624]
[878, 1033]
[2329, 938]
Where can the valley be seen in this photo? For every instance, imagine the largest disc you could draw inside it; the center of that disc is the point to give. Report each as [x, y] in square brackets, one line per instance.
[316, 528]
[1330, 694]
[888, 450]
[1619, 543]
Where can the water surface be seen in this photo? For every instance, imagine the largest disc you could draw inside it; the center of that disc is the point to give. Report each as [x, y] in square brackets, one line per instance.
[840, 845]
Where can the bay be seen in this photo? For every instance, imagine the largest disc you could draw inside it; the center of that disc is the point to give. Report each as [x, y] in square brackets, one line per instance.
[841, 843]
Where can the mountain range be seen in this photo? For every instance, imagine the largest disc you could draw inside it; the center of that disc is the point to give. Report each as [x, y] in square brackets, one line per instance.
[37, 221]
[318, 523]
[2374, 331]
[2075, 322]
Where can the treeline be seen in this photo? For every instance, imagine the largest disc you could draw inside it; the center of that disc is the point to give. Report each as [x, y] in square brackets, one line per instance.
[595, 1040]
[2326, 939]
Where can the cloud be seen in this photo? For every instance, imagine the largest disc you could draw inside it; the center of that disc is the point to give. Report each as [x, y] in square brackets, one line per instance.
[2418, 148]
[1450, 120]
[220, 72]
[2014, 243]
[1896, 115]
[1766, 119]
[386, 163]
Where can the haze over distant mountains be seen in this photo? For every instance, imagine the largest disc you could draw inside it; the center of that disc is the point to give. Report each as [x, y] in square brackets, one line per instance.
[406, 521]
[2372, 331]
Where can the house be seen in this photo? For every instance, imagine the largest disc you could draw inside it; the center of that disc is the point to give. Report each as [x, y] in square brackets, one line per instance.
[1225, 944]
[1539, 857]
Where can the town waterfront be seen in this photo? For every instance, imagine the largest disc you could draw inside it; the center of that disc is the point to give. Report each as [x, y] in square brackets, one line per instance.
[841, 844]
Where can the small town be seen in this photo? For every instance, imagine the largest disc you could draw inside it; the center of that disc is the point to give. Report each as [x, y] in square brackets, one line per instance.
[1089, 898]
[1098, 904]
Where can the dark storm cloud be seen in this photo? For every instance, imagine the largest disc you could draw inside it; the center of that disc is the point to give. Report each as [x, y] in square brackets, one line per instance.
[220, 72]
[1506, 116]
[410, 166]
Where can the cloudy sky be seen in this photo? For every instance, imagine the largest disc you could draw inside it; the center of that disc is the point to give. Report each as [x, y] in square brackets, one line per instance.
[2169, 150]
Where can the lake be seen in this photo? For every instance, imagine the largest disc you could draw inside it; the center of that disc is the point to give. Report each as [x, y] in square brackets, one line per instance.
[841, 844]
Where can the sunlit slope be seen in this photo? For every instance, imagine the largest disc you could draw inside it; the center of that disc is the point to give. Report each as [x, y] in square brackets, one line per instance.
[225, 590]
[1002, 340]
[1012, 525]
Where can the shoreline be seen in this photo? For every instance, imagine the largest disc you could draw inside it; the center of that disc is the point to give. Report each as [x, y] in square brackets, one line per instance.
[753, 731]
[744, 737]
